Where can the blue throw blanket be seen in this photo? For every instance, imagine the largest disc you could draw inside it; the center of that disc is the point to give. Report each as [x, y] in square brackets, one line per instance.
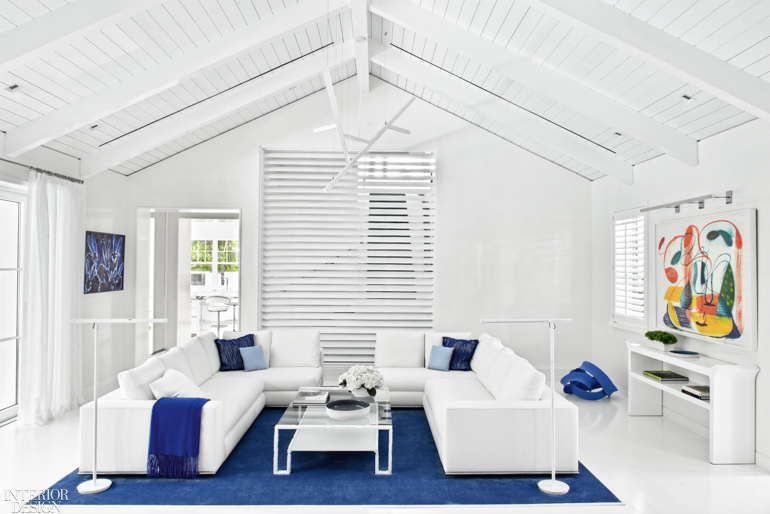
[175, 433]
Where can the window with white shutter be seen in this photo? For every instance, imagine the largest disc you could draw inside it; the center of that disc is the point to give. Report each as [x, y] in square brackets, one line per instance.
[351, 262]
[628, 268]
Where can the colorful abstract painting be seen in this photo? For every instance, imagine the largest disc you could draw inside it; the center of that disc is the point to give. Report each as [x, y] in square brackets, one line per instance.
[706, 277]
[104, 262]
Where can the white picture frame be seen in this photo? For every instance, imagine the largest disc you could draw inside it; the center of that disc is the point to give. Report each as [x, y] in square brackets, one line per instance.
[717, 255]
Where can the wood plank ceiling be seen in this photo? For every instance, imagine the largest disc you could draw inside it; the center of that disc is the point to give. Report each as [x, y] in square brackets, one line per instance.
[735, 31]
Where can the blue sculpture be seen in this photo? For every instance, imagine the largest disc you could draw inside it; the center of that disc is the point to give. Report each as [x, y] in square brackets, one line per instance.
[583, 382]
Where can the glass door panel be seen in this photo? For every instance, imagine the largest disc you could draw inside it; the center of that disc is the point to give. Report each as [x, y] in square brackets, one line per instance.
[9, 296]
[10, 271]
[9, 234]
[8, 359]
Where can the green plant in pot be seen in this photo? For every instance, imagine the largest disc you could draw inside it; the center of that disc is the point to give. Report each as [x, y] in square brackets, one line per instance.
[661, 340]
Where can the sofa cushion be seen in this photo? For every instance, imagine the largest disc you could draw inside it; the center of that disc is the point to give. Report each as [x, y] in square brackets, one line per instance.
[295, 348]
[494, 380]
[262, 338]
[484, 341]
[173, 384]
[135, 383]
[207, 342]
[175, 359]
[439, 392]
[487, 359]
[523, 382]
[290, 379]
[413, 379]
[463, 352]
[237, 389]
[437, 339]
[197, 359]
[399, 348]
[440, 358]
[253, 358]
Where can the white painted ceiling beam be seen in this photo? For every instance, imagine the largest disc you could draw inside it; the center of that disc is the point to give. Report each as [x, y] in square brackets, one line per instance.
[214, 109]
[550, 83]
[359, 11]
[128, 92]
[501, 112]
[672, 55]
[62, 25]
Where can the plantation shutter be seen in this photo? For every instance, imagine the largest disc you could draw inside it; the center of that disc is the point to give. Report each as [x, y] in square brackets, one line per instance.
[629, 267]
[351, 262]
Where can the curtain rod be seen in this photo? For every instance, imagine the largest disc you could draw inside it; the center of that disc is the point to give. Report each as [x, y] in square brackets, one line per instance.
[45, 172]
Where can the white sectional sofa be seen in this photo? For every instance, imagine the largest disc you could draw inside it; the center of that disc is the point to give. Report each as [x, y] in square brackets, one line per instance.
[294, 359]
[493, 419]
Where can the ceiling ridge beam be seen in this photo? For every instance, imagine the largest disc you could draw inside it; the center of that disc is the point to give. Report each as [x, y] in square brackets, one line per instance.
[217, 108]
[62, 25]
[672, 55]
[548, 82]
[111, 99]
[504, 113]
[359, 13]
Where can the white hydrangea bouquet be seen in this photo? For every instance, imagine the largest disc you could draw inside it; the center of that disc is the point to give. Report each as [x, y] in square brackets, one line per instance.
[366, 377]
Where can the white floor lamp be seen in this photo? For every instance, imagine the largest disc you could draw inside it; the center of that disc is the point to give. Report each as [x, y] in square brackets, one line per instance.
[551, 486]
[97, 485]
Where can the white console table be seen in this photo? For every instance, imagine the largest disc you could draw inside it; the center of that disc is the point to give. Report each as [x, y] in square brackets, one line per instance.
[731, 407]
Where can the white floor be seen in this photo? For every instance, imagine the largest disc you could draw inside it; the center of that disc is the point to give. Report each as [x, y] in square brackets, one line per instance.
[652, 464]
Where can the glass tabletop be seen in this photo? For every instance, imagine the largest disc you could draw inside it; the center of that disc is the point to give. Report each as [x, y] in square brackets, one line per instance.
[315, 415]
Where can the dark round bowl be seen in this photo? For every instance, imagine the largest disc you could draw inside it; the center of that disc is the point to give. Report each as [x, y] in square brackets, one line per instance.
[347, 405]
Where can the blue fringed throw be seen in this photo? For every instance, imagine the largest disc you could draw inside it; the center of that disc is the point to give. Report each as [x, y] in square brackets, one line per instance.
[175, 433]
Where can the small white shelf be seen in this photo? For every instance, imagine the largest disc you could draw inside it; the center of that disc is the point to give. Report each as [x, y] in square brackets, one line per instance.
[731, 408]
[674, 388]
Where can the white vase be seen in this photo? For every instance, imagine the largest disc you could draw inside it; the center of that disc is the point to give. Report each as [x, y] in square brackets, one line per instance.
[657, 345]
[360, 392]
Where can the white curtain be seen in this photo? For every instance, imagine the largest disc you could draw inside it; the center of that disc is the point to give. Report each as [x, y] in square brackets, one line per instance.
[51, 379]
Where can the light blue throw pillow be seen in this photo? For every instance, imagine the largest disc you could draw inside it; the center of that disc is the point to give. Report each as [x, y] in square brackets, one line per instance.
[440, 357]
[253, 358]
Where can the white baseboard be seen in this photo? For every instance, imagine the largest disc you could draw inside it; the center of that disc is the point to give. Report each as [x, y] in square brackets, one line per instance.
[763, 461]
[106, 385]
[685, 422]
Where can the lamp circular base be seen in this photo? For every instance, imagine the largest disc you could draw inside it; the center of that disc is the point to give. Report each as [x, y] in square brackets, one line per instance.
[94, 486]
[553, 486]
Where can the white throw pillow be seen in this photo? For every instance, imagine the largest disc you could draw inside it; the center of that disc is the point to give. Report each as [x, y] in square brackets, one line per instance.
[495, 379]
[135, 383]
[487, 358]
[437, 339]
[263, 338]
[295, 348]
[399, 349]
[174, 384]
[523, 382]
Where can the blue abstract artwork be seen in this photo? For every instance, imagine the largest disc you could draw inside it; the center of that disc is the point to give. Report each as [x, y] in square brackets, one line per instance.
[104, 262]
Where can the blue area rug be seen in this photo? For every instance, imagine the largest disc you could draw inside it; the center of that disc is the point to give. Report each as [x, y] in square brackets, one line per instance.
[246, 477]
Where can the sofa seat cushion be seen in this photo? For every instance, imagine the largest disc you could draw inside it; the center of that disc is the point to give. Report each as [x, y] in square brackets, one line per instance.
[289, 379]
[413, 379]
[238, 390]
[439, 392]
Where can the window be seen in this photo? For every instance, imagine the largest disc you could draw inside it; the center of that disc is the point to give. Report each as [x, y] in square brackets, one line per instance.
[227, 256]
[354, 261]
[628, 268]
[11, 212]
[202, 255]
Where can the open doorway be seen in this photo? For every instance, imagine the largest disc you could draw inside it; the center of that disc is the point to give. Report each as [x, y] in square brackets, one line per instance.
[189, 273]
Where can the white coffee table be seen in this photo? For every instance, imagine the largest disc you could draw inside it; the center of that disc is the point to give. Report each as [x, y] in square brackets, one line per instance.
[316, 432]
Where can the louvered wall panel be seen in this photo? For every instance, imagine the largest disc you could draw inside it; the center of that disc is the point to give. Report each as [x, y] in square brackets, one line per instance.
[351, 262]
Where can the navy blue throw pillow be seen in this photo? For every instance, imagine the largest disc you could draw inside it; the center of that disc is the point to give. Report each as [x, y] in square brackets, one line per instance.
[230, 353]
[462, 354]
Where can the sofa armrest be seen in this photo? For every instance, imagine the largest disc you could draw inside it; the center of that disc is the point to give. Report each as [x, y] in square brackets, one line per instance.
[508, 436]
[124, 436]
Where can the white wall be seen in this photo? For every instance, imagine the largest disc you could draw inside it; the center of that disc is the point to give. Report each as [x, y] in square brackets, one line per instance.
[735, 160]
[514, 231]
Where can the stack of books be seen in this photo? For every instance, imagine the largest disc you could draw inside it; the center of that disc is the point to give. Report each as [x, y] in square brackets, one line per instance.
[311, 397]
[666, 376]
[699, 392]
